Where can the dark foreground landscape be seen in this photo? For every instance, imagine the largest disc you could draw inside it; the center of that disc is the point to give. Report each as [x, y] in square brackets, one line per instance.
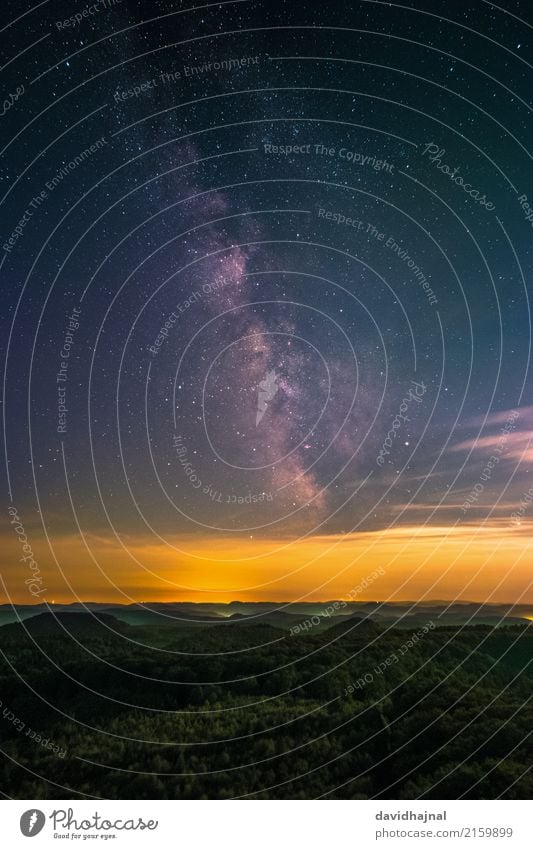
[188, 701]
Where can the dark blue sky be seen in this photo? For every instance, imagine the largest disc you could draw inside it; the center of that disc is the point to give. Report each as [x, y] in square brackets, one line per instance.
[283, 180]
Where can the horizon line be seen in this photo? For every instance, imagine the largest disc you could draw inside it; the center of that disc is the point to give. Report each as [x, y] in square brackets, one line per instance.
[45, 603]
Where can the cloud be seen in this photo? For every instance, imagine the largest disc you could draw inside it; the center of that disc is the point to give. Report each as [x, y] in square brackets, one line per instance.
[512, 440]
[500, 417]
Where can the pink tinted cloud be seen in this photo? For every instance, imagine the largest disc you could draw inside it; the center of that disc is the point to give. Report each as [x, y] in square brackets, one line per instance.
[512, 439]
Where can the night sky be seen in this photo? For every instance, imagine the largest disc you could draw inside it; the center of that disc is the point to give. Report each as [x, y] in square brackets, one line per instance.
[266, 271]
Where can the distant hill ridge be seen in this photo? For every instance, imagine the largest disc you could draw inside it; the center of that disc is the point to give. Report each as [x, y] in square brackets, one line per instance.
[306, 615]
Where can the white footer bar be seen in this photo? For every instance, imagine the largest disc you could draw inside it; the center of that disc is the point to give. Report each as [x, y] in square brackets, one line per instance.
[272, 824]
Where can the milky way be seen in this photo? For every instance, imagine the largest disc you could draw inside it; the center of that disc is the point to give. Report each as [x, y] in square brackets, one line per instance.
[270, 231]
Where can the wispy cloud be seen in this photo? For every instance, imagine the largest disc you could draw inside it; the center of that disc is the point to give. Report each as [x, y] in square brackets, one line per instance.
[511, 434]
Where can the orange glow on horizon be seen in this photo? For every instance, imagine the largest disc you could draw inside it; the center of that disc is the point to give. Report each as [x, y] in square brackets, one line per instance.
[480, 563]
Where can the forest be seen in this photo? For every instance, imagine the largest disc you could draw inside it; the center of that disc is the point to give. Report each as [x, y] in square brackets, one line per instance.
[95, 707]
